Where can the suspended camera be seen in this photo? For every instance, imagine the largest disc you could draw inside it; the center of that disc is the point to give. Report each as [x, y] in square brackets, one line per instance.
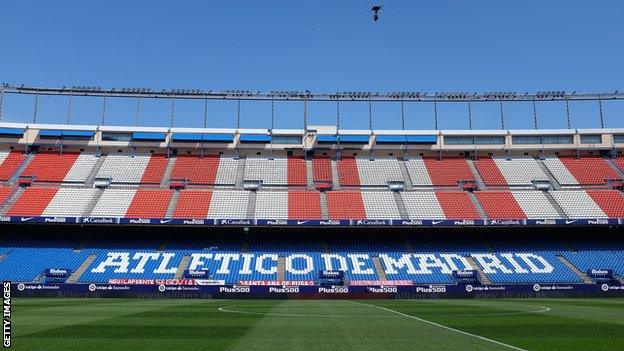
[376, 10]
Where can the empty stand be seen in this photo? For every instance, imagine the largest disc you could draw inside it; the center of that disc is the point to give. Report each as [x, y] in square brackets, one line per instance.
[70, 202]
[586, 170]
[348, 171]
[10, 160]
[304, 205]
[193, 204]
[32, 202]
[378, 171]
[198, 170]
[150, 203]
[422, 205]
[457, 205]
[535, 204]
[297, 171]
[4, 193]
[228, 204]
[577, 204]
[345, 205]
[380, 205]
[500, 170]
[113, 203]
[271, 204]
[427, 171]
[610, 201]
[57, 167]
[137, 168]
[500, 205]
[322, 169]
[271, 171]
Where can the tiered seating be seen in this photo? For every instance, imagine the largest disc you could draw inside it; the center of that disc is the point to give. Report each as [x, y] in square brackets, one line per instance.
[9, 163]
[380, 205]
[596, 259]
[32, 202]
[228, 204]
[378, 171]
[556, 273]
[113, 203]
[500, 205]
[150, 203]
[520, 170]
[206, 170]
[586, 170]
[577, 204]
[304, 205]
[610, 201]
[193, 204]
[345, 205]
[4, 193]
[138, 168]
[70, 202]
[619, 161]
[322, 169]
[348, 171]
[445, 172]
[534, 204]
[271, 204]
[57, 167]
[271, 171]
[297, 171]
[457, 205]
[422, 205]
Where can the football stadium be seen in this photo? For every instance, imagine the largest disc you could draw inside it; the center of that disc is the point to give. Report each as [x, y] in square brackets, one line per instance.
[355, 226]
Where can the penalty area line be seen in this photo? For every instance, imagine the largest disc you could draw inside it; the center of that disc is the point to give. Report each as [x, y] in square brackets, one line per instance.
[438, 325]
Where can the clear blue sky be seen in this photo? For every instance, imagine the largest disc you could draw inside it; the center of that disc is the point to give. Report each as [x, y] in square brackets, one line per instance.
[323, 46]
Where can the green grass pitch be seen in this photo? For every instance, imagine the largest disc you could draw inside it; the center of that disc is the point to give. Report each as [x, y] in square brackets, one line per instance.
[131, 324]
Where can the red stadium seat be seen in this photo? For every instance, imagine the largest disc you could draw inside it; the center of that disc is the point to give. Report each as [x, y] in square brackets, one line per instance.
[304, 205]
[457, 205]
[348, 171]
[198, 170]
[489, 171]
[149, 203]
[32, 202]
[448, 171]
[297, 171]
[155, 169]
[500, 205]
[345, 205]
[610, 201]
[10, 164]
[50, 166]
[321, 168]
[193, 204]
[4, 193]
[589, 169]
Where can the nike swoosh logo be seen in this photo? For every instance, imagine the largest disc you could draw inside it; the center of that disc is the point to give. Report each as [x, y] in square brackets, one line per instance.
[24, 219]
[301, 222]
[163, 221]
[436, 222]
[569, 222]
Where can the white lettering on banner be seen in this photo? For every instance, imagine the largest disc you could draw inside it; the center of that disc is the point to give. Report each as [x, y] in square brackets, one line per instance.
[528, 259]
[425, 261]
[309, 264]
[361, 264]
[260, 263]
[143, 257]
[450, 261]
[329, 259]
[197, 260]
[509, 257]
[391, 264]
[121, 260]
[247, 260]
[490, 263]
[226, 259]
[162, 268]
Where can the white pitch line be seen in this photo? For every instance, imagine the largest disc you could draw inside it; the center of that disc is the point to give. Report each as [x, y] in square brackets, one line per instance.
[224, 309]
[439, 325]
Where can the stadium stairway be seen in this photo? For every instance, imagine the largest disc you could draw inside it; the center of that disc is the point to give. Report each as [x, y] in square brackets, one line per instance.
[381, 273]
[405, 174]
[551, 177]
[96, 169]
[163, 245]
[281, 268]
[617, 169]
[93, 203]
[324, 210]
[240, 173]
[251, 204]
[408, 246]
[555, 205]
[477, 205]
[184, 263]
[574, 269]
[476, 175]
[483, 278]
[81, 269]
[309, 174]
[335, 175]
[11, 199]
[400, 205]
[27, 160]
[173, 203]
[164, 183]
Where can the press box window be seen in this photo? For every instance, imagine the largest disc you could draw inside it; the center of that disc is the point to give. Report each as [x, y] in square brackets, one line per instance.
[591, 139]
